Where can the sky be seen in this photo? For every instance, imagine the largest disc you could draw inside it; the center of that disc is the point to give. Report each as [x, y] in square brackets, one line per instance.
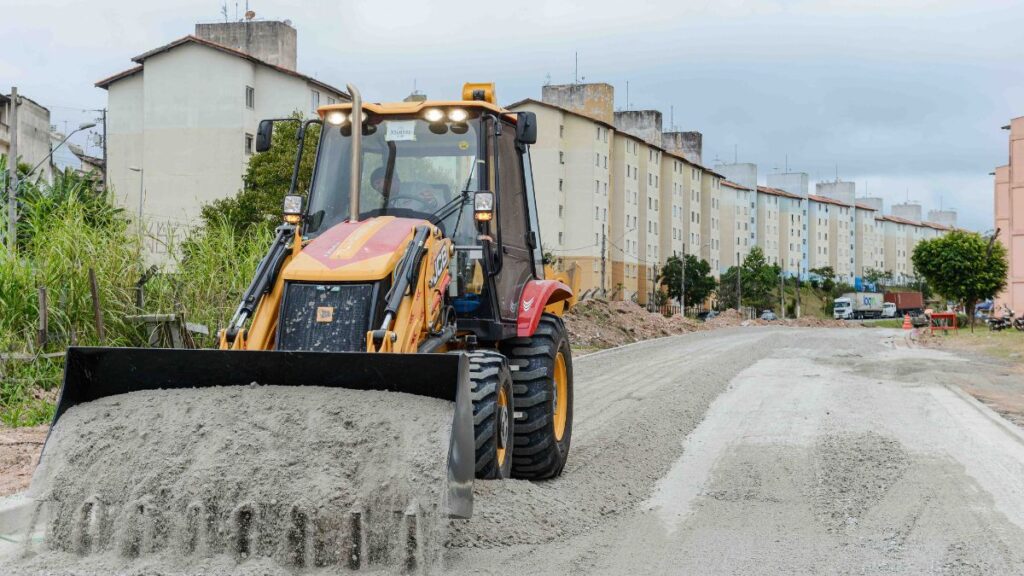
[904, 97]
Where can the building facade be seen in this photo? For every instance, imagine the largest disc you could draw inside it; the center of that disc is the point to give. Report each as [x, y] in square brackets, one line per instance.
[34, 134]
[1009, 216]
[182, 121]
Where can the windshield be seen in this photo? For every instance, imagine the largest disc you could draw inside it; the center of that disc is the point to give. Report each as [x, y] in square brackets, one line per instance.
[410, 168]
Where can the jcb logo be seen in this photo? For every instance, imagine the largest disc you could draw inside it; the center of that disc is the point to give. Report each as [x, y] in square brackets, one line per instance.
[440, 265]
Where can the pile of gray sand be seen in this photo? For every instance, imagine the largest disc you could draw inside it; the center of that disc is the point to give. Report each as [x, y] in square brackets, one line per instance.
[244, 480]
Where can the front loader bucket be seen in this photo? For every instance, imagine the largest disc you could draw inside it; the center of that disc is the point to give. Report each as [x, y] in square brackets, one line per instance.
[93, 373]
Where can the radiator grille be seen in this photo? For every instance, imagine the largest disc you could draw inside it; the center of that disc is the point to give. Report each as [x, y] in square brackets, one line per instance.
[325, 317]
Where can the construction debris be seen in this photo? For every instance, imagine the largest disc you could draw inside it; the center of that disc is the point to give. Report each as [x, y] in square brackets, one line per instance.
[601, 324]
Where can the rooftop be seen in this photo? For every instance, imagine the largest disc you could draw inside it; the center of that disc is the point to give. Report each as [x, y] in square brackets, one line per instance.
[141, 59]
[617, 131]
[827, 200]
[778, 192]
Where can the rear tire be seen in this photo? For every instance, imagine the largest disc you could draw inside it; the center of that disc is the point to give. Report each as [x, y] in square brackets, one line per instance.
[491, 385]
[543, 400]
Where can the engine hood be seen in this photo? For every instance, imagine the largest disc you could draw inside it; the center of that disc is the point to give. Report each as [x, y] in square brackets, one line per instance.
[353, 251]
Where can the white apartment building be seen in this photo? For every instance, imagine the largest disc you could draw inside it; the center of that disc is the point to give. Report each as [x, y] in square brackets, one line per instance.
[898, 232]
[711, 219]
[792, 239]
[736, 237]
[182, 121]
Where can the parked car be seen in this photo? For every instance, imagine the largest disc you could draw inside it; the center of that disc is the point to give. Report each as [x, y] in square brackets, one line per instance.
[768, 315]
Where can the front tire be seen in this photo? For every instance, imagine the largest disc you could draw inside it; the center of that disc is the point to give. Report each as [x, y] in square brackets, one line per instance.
[491, 385]
[543, 400]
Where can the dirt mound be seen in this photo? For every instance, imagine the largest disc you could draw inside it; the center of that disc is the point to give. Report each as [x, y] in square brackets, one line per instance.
[602, 324]
[19, 450]
[264, 475]
[726, 319]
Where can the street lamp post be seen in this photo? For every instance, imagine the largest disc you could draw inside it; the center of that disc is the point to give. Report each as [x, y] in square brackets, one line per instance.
[142, 183]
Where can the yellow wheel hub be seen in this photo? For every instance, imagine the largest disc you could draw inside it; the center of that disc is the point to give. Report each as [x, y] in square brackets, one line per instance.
[560, 402]
[503, 424]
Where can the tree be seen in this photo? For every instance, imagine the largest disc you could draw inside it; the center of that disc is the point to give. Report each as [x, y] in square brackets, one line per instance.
[699, 282]
[758, 279]
[267, 179]
[963, 267]
[828, 277]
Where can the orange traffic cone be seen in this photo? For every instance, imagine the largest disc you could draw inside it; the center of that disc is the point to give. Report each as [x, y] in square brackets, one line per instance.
[906, 323]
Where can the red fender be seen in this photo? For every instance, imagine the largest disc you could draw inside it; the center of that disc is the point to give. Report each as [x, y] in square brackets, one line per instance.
[536, 295]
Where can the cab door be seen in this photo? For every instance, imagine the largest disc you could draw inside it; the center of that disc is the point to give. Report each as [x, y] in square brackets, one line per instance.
[513, 220]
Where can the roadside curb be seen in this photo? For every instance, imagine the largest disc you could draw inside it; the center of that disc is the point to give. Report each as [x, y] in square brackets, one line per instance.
[1010, 428]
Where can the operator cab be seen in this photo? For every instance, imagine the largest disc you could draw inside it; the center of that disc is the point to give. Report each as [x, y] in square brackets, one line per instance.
[441, 162]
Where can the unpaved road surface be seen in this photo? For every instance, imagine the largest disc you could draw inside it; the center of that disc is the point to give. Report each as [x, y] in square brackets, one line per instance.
[760, 450]
[767, 451]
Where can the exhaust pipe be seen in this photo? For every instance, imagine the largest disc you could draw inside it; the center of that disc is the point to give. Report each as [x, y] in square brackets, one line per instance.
[356, 120]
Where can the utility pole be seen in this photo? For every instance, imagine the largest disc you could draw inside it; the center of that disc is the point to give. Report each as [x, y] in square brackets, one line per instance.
[105, 167]
[603, 259]
[798, 292]
[739, 284]
[12, 167]
[782, 295]
[682, 282]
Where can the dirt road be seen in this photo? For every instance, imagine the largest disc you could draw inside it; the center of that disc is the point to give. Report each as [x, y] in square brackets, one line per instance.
[767, 451]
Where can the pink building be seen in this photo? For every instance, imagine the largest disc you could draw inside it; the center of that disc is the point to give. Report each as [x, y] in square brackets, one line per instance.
[1009, 212]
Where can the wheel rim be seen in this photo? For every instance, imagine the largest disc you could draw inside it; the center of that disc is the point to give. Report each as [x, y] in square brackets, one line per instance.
[560, 403]
[502, 425]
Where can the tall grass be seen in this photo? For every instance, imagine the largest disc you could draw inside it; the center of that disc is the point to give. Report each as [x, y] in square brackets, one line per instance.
[64, 230]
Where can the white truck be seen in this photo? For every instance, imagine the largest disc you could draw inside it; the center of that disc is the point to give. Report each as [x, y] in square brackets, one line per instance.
[857, 305]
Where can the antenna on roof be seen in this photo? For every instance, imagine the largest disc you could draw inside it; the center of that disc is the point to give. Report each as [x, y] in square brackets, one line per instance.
[627, 94]
[576, 70]
[224, 10]
[672, 116]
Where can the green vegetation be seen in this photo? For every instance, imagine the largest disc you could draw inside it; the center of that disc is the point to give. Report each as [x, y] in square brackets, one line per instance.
[69, 227]
[266, 181]
[759, 282]
[699, 281]
[962, 267]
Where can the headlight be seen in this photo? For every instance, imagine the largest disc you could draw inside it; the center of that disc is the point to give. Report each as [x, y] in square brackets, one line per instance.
[457, 115]
[336, 117]
[433, 115]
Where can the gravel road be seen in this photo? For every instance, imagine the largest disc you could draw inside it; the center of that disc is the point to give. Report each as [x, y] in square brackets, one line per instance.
[767, 451]
[762, 450]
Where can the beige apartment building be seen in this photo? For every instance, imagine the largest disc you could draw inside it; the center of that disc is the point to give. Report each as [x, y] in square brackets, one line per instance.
[898, 236]
[820, 253]
[711, 218]
[791, 232]
[768, 217]
[842, 228]
[1009, 216]
[869, 236]
[737, 224]
[572, 175]
[673, 212]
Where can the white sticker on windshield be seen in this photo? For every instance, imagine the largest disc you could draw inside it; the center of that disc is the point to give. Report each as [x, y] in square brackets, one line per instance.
[400, 130]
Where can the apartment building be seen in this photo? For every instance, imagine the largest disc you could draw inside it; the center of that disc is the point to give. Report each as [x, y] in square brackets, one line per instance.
[735, 214]
[673, 212]
[624, 211]
[182, 121]
[819, 212]
[572, 171]
[768, 219]
[1009, 215]
[34, 134]
[797, 184]
[711, 218]
[898, 233]
[744, 223]
[869, 239]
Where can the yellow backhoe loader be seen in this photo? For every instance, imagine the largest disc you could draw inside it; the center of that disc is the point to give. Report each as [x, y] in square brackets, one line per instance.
[413, 265]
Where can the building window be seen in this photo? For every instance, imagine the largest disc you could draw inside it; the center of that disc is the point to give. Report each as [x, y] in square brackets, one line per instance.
[331, 100]
[597, 159]
[561, 131]
[560, 182]
[561, 157]
[314, 101]
[250, 97]
[248, 144]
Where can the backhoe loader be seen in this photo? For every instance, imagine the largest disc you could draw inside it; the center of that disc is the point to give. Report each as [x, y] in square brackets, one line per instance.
[414, 265]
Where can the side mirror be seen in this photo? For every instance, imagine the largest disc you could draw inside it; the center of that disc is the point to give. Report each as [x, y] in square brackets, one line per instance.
[526, 128]
[264, 134]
